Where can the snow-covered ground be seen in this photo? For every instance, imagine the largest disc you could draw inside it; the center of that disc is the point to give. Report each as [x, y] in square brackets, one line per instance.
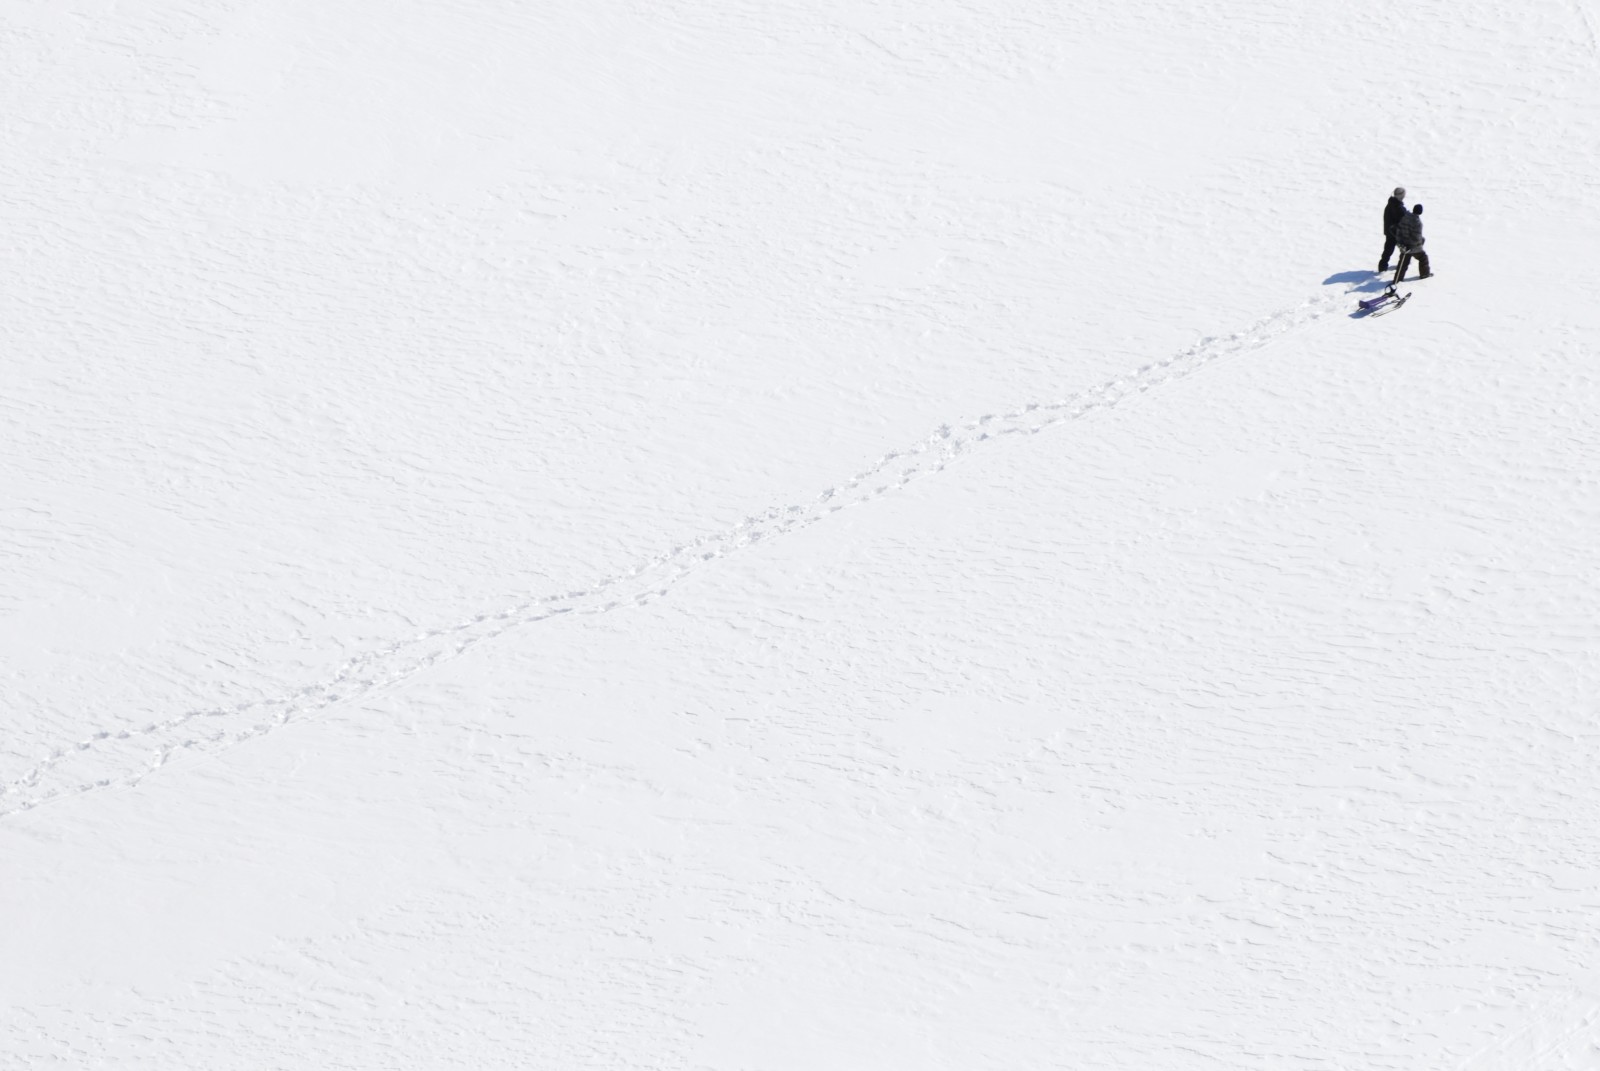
[797, 536]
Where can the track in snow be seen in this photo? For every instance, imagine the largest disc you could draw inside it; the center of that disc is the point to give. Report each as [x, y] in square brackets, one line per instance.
[1564, 1035]
[127, 757]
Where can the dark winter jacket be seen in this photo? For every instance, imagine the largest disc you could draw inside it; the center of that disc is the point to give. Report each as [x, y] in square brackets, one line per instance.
[1408, 232]
[1391, 215]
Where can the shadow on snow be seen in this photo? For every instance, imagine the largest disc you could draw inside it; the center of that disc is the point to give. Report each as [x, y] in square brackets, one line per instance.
[1370, 281]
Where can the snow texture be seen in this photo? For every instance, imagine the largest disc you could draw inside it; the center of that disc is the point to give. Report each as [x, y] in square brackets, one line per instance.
[791, 536]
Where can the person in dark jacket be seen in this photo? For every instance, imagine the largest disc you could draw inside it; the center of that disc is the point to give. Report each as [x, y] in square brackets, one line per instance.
[1391, 218]
[1408, 237]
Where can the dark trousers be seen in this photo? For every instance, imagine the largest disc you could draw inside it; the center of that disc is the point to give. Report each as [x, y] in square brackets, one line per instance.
[1406, 257]
[1388, 251]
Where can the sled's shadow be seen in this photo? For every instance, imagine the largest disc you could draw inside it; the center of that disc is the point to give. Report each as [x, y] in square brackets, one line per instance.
[1370, 281]
[1381, 310]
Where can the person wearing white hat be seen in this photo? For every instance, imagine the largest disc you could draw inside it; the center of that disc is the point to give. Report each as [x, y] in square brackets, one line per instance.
[1391, 219]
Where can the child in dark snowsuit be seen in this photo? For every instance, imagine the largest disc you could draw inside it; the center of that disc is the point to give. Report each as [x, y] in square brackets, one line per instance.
[1408, 236]
[1391, 218]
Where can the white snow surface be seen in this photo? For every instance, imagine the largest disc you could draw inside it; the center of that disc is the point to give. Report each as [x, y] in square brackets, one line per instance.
[797, 535]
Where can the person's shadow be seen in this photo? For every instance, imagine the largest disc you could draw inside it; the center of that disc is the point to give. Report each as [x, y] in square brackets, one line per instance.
[1370, 281]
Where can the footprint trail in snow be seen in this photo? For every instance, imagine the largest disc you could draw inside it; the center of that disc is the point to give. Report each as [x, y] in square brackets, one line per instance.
[127, 757]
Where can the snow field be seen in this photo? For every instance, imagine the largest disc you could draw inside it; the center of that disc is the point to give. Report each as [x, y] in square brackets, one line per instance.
[792, 536]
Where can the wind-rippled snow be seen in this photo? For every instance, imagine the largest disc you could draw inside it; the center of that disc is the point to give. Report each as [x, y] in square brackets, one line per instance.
[797, 536]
